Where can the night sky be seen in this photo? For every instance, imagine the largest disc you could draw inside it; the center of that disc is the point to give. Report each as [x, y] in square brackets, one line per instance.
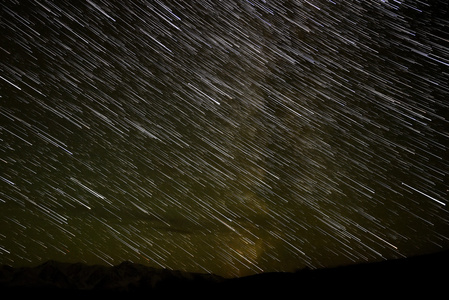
[226, 137]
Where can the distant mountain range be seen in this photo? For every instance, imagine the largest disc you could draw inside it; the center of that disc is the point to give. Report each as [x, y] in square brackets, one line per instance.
[421, 274]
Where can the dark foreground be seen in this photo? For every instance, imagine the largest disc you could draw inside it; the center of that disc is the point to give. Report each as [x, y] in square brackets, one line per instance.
[425, 274]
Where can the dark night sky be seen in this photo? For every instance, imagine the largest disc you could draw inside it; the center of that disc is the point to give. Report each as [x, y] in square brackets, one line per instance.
[232, 137]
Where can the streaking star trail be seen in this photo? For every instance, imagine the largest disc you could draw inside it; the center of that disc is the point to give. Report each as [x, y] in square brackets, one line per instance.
[226, 137]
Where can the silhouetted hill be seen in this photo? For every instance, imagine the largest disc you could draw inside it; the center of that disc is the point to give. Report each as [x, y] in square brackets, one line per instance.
[421, 274]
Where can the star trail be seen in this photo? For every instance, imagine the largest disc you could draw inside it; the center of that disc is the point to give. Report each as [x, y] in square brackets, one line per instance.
[226, 137]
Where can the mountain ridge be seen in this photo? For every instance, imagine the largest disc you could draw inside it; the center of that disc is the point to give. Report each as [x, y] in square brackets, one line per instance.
[424, 273]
